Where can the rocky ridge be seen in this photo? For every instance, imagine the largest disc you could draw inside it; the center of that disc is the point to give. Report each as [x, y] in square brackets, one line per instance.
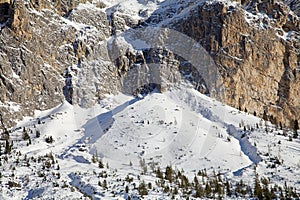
[38, 47]
[51, 51]
[256, 46]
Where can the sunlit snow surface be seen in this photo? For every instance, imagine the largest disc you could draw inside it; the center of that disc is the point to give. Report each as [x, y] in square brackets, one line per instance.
[180, 127]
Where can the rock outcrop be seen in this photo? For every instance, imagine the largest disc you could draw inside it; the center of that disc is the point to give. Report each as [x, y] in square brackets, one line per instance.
[52, 51]
[259, 66]
[39, 49]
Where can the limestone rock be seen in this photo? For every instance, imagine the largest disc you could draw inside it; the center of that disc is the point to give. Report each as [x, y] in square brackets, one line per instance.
[33, 64]
[259, 68]
[20, 20]
[51, 51]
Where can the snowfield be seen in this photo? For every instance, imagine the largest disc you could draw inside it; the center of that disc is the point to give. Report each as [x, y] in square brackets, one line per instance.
[180, 128]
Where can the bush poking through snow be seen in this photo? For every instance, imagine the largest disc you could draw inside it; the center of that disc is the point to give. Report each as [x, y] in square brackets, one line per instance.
[49, 139]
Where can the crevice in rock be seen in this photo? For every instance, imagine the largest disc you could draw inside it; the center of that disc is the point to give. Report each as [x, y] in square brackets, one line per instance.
[284, 83]
[68, 88]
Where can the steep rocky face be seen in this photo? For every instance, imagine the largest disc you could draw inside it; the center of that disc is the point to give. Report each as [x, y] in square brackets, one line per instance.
[260, 67]
[56, 50]
[61, 7]
[255, 45]
[39, 52]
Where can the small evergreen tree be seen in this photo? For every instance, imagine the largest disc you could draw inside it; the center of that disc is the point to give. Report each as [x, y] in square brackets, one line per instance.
[257, 188]
[104, 184]
[280, 125]
[184, 182]
[295, 134]
[207, 190]
[159, 173]
[228, 190]
[143, 165]
[175, 191]
[94, 158]
[228, 139]
[169, 173]
[37, 134]
[196, 182]
[265, 116]
[296, 127]
[25, 135]
[142, 189]
[49, 139]
[100, 164]
[7, 147]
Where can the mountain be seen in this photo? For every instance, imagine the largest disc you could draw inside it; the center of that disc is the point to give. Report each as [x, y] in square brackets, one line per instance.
[42, 41]
[259, 65]
[126, 99]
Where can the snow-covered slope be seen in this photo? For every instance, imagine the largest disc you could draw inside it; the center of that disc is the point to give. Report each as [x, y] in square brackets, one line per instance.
[180, 127]
[112, 149]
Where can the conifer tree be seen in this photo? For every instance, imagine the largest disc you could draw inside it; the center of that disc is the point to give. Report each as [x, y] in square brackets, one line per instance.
[169, 173]
[228, 190]
[7, 147]
[159, 173]
[296, 127]
[257, 188]
[100, 164]
[265, 116]
[142, 189]
[207, 190]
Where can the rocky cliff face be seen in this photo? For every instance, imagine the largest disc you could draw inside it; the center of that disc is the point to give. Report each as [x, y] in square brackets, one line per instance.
[255, 45]
[40, 50]
[56, 50]
[258, 63]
